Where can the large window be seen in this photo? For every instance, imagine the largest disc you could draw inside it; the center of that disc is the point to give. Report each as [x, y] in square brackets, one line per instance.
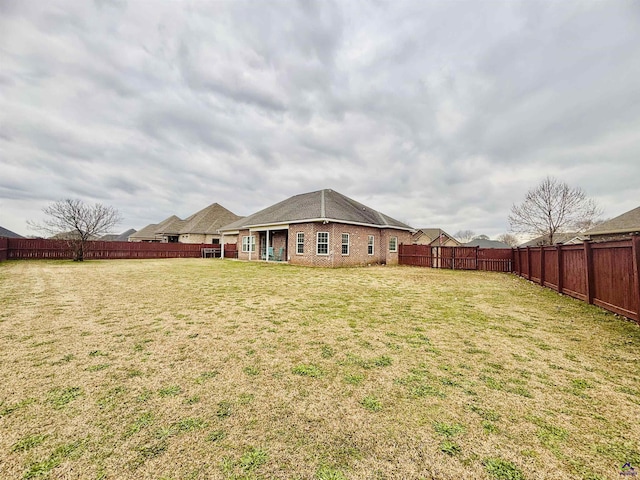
[393, 244]
[345, 244]
[322, 243]
[300, 243]
[249, 244]
[370, 245]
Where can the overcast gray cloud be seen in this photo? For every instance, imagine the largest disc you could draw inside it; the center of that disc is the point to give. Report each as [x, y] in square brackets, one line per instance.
[440, 114]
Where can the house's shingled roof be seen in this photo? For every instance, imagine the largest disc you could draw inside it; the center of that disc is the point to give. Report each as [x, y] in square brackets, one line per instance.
[484, 243]
[171, 226]
[433, 233]
[8, 233]
[123, 237]
[320, 205]
[626, 223]
[208, 220]
[558, 237]
[153, 230]
[70, 235]
[145, 232]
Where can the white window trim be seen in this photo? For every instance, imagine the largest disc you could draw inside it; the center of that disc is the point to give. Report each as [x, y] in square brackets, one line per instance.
[395, 248]
[348, 244]
[250, 245]
[318, 244]
[298, 243]
[371, 243]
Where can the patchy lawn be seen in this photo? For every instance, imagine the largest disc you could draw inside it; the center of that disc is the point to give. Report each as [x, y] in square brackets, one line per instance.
[220, 369]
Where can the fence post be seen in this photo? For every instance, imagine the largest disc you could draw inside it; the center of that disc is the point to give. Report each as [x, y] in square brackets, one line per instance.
[560, 268]
[542, 265]
[588, 260]
[512, 267]
[477, 248]
[635, 251]
[4, 248]
[528, 263]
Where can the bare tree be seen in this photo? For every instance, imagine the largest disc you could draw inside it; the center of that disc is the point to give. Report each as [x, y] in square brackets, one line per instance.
[464, 236]
[481, 237]
[78, 223]
[552, 207]
[508, 238]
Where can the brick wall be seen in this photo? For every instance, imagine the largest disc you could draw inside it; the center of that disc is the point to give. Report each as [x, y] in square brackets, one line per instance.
[358, 245]
[245, 255]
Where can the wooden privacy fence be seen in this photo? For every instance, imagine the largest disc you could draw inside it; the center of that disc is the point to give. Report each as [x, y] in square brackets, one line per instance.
[457, 258]
[606, 274]
[27, 248]
[3, 248]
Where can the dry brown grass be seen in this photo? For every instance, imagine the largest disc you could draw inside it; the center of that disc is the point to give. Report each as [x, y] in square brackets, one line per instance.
[221, 369]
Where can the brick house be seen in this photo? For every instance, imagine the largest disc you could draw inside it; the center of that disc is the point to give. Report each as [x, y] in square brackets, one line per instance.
[201, 227]
[323, 229]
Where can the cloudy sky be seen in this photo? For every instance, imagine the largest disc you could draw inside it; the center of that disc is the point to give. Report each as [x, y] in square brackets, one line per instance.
[437, 113]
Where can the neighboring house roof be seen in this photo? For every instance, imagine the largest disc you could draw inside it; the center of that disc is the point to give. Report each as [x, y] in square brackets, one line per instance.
[145, 233]
[208, 220]
[170, 226]
[433, 234]
[558, 237]
[576, 240]
[628, 222]
[123, 237]
[154, 230]
[71, 235]
[483, 243]
[8, 233]
[322, 205]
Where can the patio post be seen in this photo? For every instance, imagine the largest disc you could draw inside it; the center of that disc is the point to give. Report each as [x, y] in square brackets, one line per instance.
[266, 247]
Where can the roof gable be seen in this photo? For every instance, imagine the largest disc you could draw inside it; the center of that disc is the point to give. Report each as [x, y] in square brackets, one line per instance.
[326, 205]
[171, 225]
[208, 220]
[433, 234]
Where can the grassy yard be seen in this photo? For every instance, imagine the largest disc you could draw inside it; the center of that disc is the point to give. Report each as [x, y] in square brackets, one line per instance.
[196, 369]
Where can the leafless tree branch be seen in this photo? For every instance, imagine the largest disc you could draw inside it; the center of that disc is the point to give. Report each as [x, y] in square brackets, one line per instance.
[553, 207]
[78, 222]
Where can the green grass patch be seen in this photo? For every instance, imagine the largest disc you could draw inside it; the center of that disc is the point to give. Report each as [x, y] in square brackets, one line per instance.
[59, 454]
[29, 442]
[371, 403]
[170, 391]
[59, 397]
[448, 429]
[502, 469]
[9, 409]
[307, 370]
